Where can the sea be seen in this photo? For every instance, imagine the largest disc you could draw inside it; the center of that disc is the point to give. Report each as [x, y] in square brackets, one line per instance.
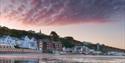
[51, 58]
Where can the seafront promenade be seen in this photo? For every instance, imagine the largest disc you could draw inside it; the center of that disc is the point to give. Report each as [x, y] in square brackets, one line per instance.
[14, 50]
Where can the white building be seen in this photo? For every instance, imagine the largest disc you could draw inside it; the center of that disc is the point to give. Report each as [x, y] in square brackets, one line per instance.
[67, 50]
[81, 49]
[8, 41]
[25, 42]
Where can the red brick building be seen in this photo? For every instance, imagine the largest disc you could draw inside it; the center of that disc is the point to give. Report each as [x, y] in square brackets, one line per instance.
[47, 46]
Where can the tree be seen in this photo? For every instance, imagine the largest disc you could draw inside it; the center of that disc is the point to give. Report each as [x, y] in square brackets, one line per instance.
[66, 43]
[54, 36]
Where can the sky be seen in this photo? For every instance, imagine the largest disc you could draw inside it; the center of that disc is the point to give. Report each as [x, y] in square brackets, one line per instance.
[96, 21]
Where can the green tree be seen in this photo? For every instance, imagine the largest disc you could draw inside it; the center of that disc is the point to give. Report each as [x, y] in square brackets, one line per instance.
[54, 36]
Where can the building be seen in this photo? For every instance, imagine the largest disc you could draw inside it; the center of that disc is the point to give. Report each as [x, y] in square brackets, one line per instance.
[67, 50]
[81, 50]
[57, 47]
[40, 45]
[7, 41]
[47, 46]
[25, 42]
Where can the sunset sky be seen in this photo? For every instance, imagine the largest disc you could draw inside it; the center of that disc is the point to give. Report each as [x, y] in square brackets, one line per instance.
[96, 21]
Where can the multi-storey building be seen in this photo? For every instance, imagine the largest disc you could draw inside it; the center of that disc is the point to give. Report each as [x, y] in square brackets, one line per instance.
[47, 46]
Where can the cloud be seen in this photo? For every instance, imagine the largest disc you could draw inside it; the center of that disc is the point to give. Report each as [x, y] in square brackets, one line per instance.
[61, 12]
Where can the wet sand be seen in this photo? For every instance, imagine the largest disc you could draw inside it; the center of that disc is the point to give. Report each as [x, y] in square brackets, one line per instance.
[66, 58]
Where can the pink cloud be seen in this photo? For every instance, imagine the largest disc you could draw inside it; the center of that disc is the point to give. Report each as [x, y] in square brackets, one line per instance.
[59, 12]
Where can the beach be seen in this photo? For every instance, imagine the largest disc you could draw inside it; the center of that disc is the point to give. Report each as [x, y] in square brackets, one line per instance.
[52, 58]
